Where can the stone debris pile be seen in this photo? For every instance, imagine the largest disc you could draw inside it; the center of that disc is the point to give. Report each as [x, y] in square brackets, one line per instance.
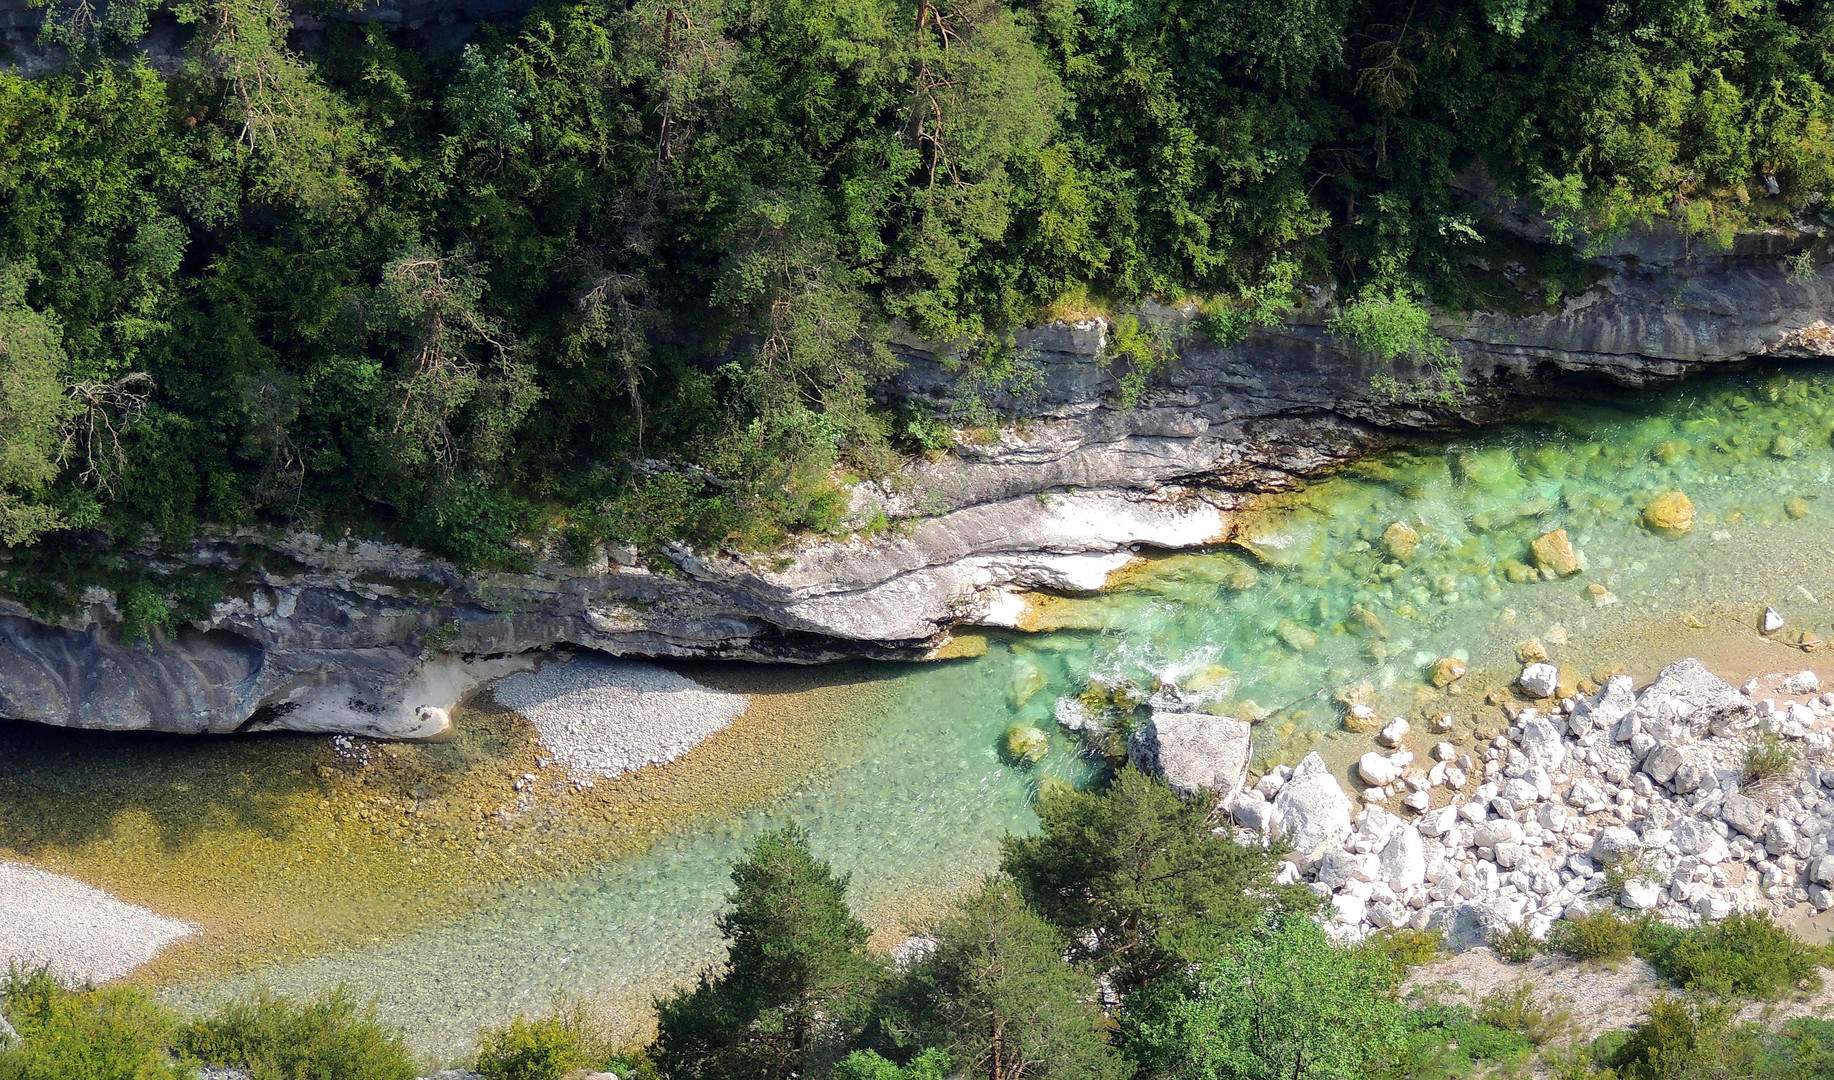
[1643, 800]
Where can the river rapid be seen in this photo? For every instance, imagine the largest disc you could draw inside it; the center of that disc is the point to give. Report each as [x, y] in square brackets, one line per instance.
[421, 876]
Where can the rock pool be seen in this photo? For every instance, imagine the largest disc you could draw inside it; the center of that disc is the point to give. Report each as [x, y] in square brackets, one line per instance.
[422, 876]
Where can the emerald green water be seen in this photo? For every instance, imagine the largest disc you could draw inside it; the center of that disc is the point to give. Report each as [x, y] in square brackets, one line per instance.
[913, 799]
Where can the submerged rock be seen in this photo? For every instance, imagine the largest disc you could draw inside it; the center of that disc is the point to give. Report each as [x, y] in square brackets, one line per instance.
[1025, 744]
[1400, 540]
[1193, 752]
[1554, 554]
[1670, 515]
[1446, 671]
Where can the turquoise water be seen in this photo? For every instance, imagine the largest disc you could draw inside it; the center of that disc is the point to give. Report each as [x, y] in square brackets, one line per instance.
[913, 804]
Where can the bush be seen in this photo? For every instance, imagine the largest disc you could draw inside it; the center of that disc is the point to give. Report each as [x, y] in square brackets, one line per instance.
[1408, 948]
[1447, 1041]
[867, 1065]
[273, 1037]
[1515, 945]
[1766, 756]
[1518, 1010]
[1599, 935]
[113, 1033]
[1744, 954]
[1682, 1039]
[543, 1049]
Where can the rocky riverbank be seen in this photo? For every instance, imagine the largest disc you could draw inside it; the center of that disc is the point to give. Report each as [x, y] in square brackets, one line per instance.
[1690, 799]
[366, 637]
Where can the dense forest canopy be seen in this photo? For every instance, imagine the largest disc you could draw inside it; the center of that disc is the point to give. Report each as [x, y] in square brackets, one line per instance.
[469, 296]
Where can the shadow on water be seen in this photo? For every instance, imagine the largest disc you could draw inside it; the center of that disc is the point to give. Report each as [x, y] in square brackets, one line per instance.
[61, 788]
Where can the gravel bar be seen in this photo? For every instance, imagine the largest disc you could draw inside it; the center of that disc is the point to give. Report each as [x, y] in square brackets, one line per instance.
[604, 717]
[80, 932]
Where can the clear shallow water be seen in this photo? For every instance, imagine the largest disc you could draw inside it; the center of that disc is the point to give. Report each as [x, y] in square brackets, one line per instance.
[913, 799]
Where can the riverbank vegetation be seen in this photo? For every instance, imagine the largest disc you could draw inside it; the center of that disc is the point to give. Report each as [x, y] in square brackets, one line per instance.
[1127, 940]
[633, 271]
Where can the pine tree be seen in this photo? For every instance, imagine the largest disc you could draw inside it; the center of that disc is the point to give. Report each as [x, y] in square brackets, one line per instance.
[797, 974]
[999, 996]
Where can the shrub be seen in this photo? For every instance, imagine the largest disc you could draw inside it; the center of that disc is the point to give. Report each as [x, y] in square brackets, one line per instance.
[1598, 935]
[1518, 1010]
[1408, 948]
[1744, 954]
[536, 1049]
[274, 1037]
[1766, 756]
[867, 1065]
[1446, 1041]
[1682, 1039]
[85, 1033]
[1515, 945]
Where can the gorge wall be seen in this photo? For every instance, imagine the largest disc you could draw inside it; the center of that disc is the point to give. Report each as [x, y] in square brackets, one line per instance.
[351, 635]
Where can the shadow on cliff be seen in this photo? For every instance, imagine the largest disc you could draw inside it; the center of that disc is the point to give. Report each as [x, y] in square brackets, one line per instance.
[61, 788]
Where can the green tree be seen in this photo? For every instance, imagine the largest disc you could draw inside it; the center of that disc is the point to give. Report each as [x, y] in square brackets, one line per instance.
[34, 411]
[998, 994]
[797, 977]
[1141, 872]
[1285, 1003]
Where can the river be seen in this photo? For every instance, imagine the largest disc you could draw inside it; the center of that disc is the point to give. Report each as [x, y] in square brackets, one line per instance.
[417, 875]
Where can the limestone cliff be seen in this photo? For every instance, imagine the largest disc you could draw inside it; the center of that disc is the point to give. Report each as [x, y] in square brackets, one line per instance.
[372, 638]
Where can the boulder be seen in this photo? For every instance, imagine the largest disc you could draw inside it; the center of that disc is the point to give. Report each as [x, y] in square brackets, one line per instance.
[1640, 895]
[1311, 811]
[7, 1035]
[1392, 734]
[1251, 810]
[1554, 554]
[1745, 815]
[1687, 698]
[1606, 709]
[1193, 752]
[1616, 844]
[1466, 926]
[1669, 515]
[1376, 770]
[1779, 836]
[1025, 744]
[1543, 742]
[1663, 763]
[1403, 860]
[1539, 680]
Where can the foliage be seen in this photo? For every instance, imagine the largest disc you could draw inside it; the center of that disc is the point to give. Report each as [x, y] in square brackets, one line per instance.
[797, 977]
[1596, 935]
[932, 1064]
[1283, 1002]
[84, 1033]
[1442, 1042]
[273, 1037]
[997, 994]
[1744, 954]
[1139, 876]
[1680, 1038]
[1520, 1011]
[637, 267]
[1407, 949]
[1514, 945]
[34, 411]
[546, 1048]
[1767, 755]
